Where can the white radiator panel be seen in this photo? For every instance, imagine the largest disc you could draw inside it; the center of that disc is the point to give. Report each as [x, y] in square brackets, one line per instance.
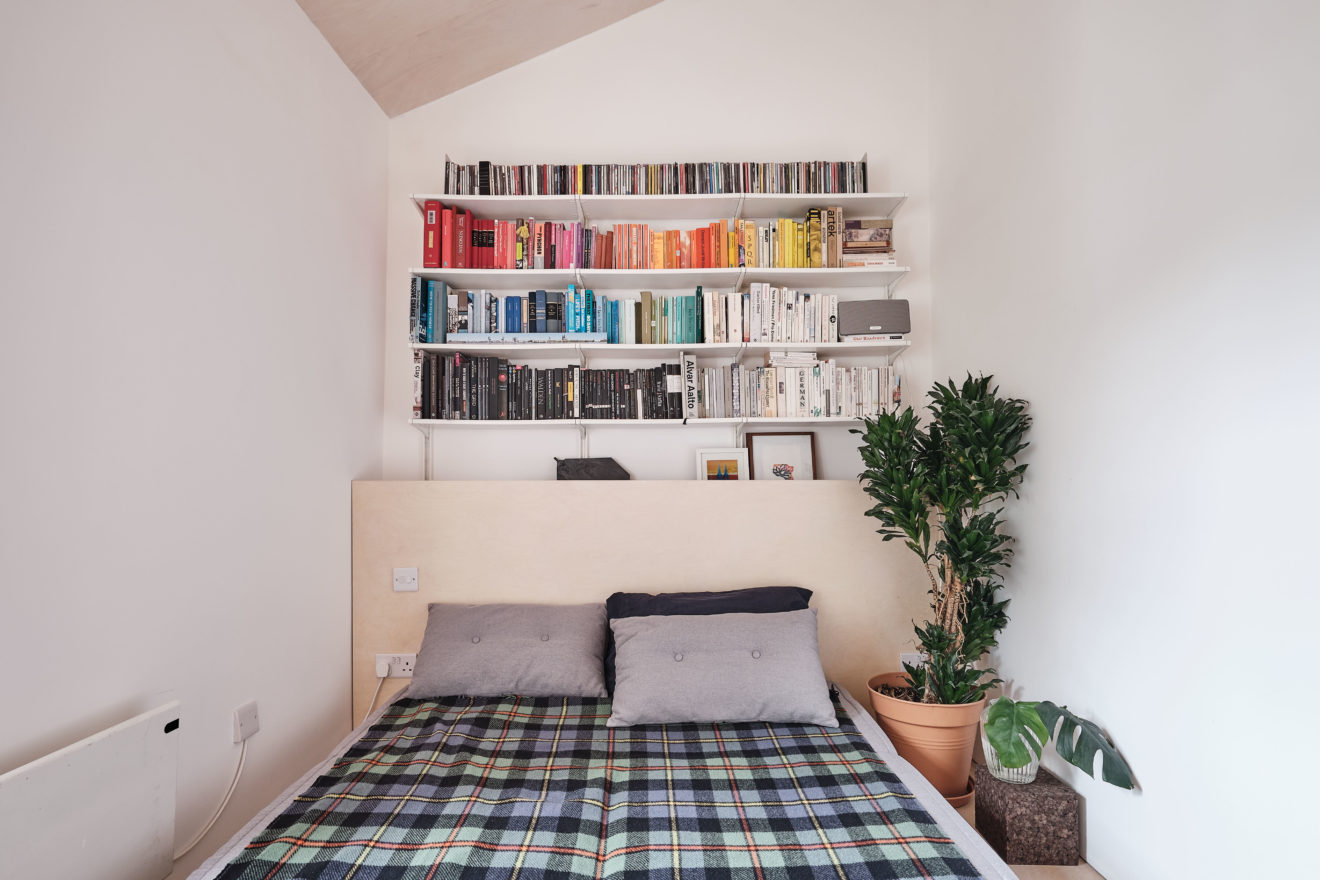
[102, 807]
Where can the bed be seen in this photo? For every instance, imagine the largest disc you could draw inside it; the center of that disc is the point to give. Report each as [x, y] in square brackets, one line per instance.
[509, 787]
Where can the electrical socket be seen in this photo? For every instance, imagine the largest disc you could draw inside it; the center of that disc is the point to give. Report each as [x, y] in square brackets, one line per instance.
[246, 721]
[405, 580]
[913, 658]
[401, 665]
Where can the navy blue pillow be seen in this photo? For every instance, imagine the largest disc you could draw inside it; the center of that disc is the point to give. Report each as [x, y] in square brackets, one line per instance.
[751, 600]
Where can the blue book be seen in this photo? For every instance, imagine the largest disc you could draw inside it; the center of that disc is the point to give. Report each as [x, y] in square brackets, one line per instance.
[528, 337]
[570, 310]
[538, 306]
[430, 311]
[614, 321]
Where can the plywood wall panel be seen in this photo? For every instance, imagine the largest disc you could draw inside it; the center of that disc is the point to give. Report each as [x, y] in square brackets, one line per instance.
[563, 542]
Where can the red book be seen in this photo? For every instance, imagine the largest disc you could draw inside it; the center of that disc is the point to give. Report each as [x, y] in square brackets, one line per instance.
[431, 235]
[447, 238]
[461, 238]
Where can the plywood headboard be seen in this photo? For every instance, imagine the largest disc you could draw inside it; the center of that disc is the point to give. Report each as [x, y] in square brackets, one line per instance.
[561, 542]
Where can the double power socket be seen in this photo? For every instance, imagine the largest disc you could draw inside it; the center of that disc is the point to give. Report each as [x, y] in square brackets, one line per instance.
[401, 665]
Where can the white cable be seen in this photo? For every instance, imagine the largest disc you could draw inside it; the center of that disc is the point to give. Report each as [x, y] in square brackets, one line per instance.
[238, 771]
[379, 682]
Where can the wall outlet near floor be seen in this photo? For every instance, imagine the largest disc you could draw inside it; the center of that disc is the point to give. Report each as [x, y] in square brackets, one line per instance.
[401, 665]
[246, 721]
[911, 658]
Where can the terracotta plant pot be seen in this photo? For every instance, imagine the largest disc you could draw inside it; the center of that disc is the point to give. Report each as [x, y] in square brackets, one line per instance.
[937, 740]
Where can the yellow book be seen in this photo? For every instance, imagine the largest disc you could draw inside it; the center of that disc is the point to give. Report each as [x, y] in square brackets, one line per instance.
[657, 250]
[801, 245]
[749, 243]
[813, 235]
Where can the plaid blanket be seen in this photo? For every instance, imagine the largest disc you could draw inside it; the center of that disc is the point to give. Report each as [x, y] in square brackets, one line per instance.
[541, 788]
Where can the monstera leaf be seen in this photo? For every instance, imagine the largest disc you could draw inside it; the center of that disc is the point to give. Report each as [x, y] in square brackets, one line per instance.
[1077, 740]
[1013, 728]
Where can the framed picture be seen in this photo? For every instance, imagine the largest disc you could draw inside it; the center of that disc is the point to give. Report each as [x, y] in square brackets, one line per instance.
[782, 456]
[722, 464]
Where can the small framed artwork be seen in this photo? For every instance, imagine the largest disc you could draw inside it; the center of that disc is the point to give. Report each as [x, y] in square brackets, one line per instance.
[722, 464]
[782, 456]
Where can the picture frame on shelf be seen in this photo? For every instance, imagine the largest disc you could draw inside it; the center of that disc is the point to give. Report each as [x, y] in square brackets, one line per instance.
[782, 456]
[725, 463]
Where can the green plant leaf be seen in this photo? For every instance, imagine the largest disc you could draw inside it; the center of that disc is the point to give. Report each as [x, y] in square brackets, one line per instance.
[1014, 731]
[1077, 742]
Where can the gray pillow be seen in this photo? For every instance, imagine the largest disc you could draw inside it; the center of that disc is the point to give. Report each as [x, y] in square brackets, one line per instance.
[530, 650]
[719, 667]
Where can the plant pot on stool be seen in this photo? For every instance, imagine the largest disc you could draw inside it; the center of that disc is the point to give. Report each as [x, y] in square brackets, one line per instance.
[935, 738]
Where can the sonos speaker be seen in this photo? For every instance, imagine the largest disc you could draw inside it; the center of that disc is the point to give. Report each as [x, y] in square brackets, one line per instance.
[874, 317]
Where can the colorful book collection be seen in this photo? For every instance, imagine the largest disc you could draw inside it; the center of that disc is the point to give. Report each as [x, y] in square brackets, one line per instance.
[454, 239]
[765, 314]
[669, 178]
[791, 385]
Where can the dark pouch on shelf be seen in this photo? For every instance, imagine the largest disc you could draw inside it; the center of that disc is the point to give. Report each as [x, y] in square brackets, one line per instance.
[589, 469]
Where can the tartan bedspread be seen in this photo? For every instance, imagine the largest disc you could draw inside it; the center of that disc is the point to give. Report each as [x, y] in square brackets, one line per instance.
[541, 788]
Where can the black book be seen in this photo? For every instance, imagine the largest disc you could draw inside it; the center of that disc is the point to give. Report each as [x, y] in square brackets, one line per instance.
[483, 182]
[427, 381]
[554, 312]
[465, 388]
[674, 391]
[437, 382]
[502, 389]
[539, 403]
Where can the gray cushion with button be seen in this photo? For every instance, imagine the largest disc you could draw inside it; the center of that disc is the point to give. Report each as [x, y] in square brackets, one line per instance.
[530, 650]
[720, 667]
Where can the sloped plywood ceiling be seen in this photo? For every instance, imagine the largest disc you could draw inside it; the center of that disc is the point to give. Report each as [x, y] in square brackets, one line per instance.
[410, 52]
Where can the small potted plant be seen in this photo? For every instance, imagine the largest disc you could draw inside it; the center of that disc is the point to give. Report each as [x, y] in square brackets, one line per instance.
[1014, 734]
[941, 490]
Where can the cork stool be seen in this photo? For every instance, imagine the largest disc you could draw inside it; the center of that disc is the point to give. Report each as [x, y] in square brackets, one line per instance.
[1035, 824]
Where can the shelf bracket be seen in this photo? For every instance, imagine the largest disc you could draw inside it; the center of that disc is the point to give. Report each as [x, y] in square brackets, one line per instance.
[584, 443]
[425, 431]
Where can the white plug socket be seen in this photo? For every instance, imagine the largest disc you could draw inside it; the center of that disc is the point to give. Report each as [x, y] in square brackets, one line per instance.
[405, 580]
[401, 665]
[914, 658]
[246, 721]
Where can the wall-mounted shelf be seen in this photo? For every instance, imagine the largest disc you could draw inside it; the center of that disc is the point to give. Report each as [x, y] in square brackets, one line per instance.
[590, 209]
[583, 352]
[431, 424]
[886, 277]
[662, 212]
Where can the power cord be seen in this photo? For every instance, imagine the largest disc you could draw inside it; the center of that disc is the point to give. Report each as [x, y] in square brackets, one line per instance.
[238, 771]
[382, 673]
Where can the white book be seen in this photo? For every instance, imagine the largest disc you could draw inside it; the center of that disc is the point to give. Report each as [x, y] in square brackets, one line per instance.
[417, 385]
[755, 312]
[689, 372]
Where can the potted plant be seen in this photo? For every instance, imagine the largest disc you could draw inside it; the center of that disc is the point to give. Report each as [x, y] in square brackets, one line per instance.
[1014, 734]
[941, 490]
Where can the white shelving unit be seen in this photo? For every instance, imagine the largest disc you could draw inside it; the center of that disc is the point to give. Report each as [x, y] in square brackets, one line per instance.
[660, 210]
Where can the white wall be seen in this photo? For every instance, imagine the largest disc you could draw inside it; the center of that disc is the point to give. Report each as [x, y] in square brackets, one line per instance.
[682, 81]
[191, 258]
[1123, 216]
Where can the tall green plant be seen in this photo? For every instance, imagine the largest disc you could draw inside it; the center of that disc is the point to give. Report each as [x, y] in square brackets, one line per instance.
[941, 490]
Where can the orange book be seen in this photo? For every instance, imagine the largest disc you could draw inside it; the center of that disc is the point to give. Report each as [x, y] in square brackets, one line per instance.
[658, 250]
